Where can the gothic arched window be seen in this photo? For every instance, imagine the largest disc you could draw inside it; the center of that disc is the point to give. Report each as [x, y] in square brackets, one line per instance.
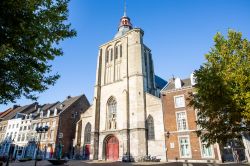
[87, 133]
[150, 128]
[120, 50]
[112, 105]
[107, 56]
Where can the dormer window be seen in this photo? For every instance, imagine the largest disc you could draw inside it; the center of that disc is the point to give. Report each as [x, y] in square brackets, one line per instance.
[177, 83]
[55, 111]
[48, 113]
[41, 114]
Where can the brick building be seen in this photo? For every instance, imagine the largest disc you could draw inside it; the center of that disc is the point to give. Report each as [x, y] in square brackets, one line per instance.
[61, 117]
[182, 143]
[18, 127]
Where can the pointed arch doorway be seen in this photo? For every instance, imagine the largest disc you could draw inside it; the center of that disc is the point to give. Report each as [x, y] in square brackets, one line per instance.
[111, 148]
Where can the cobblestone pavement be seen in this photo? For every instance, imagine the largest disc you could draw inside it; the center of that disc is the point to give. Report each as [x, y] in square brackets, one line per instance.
[99, 163]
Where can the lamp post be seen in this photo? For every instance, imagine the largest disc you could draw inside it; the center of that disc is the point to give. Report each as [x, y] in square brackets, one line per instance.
[167, 135]
[11, 150]
[40, 130]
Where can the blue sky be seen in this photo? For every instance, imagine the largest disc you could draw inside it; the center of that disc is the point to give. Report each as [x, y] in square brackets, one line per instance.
[179, 33]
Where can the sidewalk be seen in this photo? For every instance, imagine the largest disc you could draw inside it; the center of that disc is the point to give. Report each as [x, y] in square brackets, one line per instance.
[103, 163]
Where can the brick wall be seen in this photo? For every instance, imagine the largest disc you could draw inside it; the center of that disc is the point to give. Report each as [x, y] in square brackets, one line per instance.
[170, 125]
[68, 123]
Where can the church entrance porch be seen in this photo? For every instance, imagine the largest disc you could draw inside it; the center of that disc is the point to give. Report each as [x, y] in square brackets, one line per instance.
[111, 148]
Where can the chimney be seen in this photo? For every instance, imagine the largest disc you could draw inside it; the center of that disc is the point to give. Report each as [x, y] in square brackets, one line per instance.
[15, 106]
[68, 97]
[192, 79]
[36, 105]
[177, 83]
[61, 106]
[171, 79]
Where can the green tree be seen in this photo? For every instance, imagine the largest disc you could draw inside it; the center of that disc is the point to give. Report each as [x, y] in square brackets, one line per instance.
[30, 32]
[223, 89]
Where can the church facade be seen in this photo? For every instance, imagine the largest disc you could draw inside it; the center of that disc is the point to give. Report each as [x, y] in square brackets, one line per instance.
[126, 116]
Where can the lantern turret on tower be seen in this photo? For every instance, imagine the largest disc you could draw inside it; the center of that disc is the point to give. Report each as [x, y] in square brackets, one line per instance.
[124, 25]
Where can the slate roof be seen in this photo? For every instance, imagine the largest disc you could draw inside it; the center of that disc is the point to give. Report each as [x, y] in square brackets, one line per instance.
[171, 85]
[65, 104]
[32, 108]
[4, 113]
[159, 82]
[45, 109]
[22, 109]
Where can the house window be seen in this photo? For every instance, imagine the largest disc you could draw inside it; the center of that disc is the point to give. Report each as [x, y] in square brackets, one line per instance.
[111, 113]
[150, 128]
[184, 147]
[19, 137]
[87, 133]
[181, 121]
[51, 134]
[206, 151]
[11, 136]
[27, 137]
[179, 101]
[23, 137]
[34, 126]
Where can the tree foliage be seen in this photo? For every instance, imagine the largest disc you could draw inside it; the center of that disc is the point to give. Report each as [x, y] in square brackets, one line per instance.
[223, 89]
[30, 32]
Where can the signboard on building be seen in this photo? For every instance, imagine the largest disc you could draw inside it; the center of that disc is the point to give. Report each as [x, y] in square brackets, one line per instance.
[60, 135]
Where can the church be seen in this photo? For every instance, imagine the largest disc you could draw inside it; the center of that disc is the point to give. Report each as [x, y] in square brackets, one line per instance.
[125, 118]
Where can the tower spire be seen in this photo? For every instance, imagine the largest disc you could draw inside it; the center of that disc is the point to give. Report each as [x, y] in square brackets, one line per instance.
[125, 24]
[125, 9]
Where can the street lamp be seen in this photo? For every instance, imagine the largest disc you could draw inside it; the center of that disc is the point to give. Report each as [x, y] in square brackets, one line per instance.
[11, 151]
[40, 130]
[168, 134]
